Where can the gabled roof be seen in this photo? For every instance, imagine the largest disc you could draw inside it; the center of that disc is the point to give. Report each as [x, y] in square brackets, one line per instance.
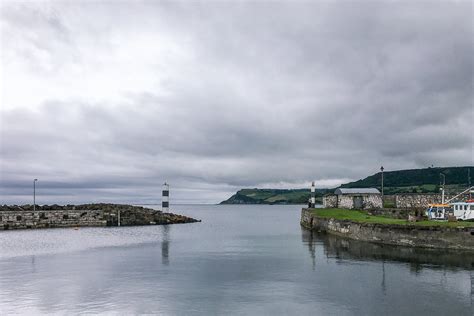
[357, 191]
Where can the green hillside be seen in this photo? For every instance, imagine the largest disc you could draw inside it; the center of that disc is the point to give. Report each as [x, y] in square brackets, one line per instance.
[273, 196]
[425, 180]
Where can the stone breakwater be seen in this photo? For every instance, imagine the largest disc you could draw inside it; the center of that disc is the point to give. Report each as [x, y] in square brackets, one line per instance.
[461, 238]
[55, 216]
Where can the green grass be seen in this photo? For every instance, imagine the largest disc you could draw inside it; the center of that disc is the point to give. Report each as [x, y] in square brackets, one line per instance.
[363, 217]
[389, 204]
[290, 196]
[276, 198]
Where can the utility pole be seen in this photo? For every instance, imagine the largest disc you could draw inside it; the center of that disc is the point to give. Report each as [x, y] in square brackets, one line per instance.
[381, 169]
[442, 188]
[34, 194]
[469, 181]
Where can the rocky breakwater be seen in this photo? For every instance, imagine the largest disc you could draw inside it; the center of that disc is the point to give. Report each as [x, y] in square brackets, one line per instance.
[51, 216]
[426, 235]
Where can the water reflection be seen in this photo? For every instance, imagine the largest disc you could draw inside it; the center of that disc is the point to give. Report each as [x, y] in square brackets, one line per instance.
[241, 260]
[165, 245]
[33, 264]
[310, 238]
[383, 285]
[347, 249]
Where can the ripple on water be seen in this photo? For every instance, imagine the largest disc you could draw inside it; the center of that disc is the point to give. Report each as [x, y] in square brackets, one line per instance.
[59, 240]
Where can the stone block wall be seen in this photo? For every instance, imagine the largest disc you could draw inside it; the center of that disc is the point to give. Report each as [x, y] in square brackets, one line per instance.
[330, 201]
[413, 200]
[372, 201]
[369, 201]
[345, 201]
[405, 200]
[49, 219]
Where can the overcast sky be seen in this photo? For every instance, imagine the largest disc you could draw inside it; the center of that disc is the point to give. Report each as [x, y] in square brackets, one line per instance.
[105, 100]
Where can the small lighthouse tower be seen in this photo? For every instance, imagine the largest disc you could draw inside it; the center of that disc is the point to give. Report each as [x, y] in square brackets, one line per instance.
[165, 198]
[313, 194]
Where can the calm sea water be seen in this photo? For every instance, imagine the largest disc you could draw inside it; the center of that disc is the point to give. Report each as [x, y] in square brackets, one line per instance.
[240, 260]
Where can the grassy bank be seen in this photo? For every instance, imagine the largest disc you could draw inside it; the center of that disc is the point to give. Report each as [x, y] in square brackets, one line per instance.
[364, 217]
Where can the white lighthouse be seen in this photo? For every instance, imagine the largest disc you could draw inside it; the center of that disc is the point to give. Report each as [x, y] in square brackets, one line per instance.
[165, 198]
[313, 194]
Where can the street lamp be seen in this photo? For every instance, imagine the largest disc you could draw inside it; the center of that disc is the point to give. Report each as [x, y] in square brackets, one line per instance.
[34, 194]
[381, 169]
[469, 181]
[442, 189]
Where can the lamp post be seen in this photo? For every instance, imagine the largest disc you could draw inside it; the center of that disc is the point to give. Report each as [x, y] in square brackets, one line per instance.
[469, 181]
[442, 188]
[34, 194]
[381, 169]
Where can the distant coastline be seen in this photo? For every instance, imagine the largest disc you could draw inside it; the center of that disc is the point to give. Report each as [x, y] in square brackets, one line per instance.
[272, 196]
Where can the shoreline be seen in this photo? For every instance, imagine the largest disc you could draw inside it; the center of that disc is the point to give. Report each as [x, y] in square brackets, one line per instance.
[409, 234]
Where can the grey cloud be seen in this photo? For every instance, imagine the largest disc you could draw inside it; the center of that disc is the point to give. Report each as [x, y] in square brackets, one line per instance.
[264, 93]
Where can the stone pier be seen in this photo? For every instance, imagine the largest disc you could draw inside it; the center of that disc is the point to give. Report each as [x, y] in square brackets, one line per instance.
[87, 215]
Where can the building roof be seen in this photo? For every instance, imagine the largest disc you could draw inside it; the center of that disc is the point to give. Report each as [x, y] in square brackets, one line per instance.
[357, 191]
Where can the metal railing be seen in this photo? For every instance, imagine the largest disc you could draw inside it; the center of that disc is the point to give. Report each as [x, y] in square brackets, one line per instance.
[471, 189]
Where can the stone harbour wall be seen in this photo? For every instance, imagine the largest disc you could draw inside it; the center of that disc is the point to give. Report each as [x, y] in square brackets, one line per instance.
[51, 219]
[23, 217]
[413, 200]
[460, 238]
[405, 200]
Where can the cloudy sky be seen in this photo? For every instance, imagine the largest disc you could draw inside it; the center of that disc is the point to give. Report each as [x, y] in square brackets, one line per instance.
[106, 100]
